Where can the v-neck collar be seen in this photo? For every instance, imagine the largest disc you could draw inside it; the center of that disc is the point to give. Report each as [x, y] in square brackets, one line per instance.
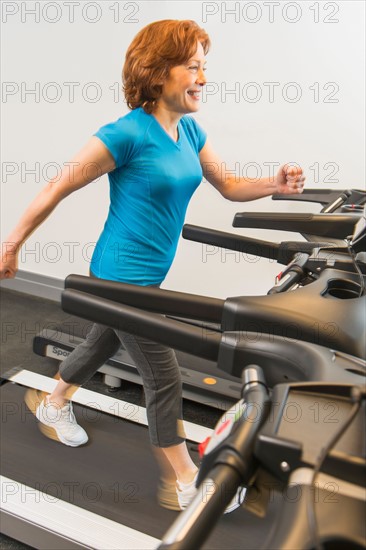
[176, 143]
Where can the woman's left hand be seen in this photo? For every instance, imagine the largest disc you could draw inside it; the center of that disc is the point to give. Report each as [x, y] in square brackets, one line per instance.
[289, 180]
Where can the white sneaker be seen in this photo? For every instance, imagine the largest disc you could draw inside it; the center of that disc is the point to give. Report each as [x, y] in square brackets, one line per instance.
[187, 491]
[63, 423]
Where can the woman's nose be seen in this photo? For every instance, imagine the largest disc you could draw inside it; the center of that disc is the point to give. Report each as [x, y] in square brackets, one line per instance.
[201, 78]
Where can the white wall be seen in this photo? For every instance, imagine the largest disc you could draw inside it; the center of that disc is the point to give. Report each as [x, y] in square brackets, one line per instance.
[309, 54]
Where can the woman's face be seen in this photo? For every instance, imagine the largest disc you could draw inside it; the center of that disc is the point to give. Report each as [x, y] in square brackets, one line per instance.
[181, 92]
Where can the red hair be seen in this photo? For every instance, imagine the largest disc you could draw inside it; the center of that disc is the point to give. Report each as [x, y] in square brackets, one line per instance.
[153, 52]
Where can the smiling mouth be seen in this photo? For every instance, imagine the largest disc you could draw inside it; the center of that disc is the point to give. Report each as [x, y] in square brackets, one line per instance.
[194, 93]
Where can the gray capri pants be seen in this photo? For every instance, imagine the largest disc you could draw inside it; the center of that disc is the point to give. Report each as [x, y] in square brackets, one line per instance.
[157, 366]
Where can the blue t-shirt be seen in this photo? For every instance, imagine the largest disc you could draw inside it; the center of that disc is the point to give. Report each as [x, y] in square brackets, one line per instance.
[150, 188]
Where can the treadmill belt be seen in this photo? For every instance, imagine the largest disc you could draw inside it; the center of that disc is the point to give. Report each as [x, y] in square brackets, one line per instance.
[113, 475]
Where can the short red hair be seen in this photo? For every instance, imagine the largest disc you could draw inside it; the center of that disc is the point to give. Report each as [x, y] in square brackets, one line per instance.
[153, 52]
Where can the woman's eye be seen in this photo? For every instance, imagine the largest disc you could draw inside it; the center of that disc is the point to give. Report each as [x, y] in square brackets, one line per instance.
[195, 68]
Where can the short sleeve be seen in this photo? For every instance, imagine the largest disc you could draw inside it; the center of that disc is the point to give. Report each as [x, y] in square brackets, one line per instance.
[195, 132]
[120, 138]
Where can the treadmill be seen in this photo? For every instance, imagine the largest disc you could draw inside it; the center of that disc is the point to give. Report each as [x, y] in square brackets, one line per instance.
[306, 368]
[102, 495]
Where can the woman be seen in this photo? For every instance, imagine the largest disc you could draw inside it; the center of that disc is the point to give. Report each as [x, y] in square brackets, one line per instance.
[155, 157]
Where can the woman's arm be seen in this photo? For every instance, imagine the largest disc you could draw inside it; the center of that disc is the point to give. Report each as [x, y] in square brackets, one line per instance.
[289, 179]
[91, 162]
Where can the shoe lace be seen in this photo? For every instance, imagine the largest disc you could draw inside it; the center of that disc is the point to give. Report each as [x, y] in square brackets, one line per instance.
[68, 417]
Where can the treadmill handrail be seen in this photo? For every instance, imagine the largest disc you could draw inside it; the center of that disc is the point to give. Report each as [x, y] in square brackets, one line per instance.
[153, 326]
[149, 298]
[231, 466]
[239, 243]
[323, 196]
[283, 252]
[332, 225]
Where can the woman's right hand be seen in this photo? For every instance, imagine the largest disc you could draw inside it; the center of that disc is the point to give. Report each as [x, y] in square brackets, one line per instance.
[90, 163]
[8, 262]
